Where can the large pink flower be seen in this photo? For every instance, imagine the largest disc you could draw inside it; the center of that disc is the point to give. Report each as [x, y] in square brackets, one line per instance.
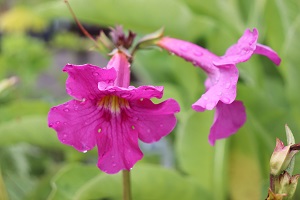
[110, 115]
[222, 78]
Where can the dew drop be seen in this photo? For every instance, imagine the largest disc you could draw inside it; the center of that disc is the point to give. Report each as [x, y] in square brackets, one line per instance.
[227, 85]
[50, 125]
[54, 108]
[210, 105]
[198, 53]
[132, 127]
[141, 99]
[84, 151]
[225, 100]
[58, 122]
[99, 130]
[64, 135]
[114, 164]
[148, 131]
[66, 109]
[112, 157]
[95, 73]
[183, 48]
[65, 123]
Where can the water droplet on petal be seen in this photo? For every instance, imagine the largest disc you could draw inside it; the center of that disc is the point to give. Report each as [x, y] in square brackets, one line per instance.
[112, 156]
[198, 53]
[148, 130]
[183, 48]
[227, 85]
[141, 99]
[84, 151]
[225, 100]
[99, 130]
[95, 73]
[210, 105]
[161, 125]
[132, 127]
[58, 122]
[114, 164]
[66, 109]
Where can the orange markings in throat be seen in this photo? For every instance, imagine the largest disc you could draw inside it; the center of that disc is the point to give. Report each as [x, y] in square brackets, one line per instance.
[113, 103]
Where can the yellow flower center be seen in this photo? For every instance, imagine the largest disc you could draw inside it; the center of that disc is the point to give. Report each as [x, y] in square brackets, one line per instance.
[113, 103]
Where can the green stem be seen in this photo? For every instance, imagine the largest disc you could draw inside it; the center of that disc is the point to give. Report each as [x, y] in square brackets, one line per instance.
[220, 170]
[126, 185]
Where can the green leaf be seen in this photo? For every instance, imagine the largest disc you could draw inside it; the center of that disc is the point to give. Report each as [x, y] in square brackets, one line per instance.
[140, 16]
[18, 109]
[30, 129]
[69, 179]
[195, 155]
[148, 181]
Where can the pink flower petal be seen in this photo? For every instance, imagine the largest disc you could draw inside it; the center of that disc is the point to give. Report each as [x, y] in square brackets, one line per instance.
[190, 52]
[268, 52]
[222, 87]
[76, 123]
[117, 146]
[240, 52]
[132, 93]
[228, 119]
[153, 121]
[83, 80]
[120, 63]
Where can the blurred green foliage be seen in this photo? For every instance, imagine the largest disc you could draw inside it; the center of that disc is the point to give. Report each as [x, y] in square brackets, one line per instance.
[34, 165]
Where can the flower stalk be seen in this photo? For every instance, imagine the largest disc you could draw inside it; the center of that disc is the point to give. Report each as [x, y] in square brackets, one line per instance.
[126, 185]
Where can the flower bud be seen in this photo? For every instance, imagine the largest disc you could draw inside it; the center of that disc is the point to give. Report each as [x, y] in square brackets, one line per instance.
[281, 157]
[286, 184]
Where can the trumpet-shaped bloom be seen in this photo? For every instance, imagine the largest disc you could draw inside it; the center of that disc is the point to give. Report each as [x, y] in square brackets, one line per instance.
[110, 116]
[222, 78]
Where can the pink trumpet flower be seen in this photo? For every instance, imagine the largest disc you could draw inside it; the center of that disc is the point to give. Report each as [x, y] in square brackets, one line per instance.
[109, 113]
[222, 77]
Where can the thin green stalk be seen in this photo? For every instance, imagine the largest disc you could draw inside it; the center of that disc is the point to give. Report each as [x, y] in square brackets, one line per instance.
[126, 185]
[220, 170]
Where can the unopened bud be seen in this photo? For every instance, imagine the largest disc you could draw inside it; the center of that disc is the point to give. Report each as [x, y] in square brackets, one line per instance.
[281, 157]
[286, 184]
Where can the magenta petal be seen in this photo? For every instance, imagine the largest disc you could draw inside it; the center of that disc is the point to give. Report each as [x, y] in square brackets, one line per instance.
[83, 80]
[76, 123]
[268, 52]
[120, 63]
[240, 52]
[132, 93]
[153, 121]
[222, 87]
[193, 53]
[229, 118]
[117, 146]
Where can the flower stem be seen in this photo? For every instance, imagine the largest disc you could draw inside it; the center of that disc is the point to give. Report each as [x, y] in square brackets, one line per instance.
[220, 170]
[126, 185]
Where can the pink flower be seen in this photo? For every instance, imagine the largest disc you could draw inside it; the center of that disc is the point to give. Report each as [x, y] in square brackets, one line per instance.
[109, 113]
[222, 78]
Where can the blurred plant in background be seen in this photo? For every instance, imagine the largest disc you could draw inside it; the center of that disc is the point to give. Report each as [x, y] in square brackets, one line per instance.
[39, 37]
